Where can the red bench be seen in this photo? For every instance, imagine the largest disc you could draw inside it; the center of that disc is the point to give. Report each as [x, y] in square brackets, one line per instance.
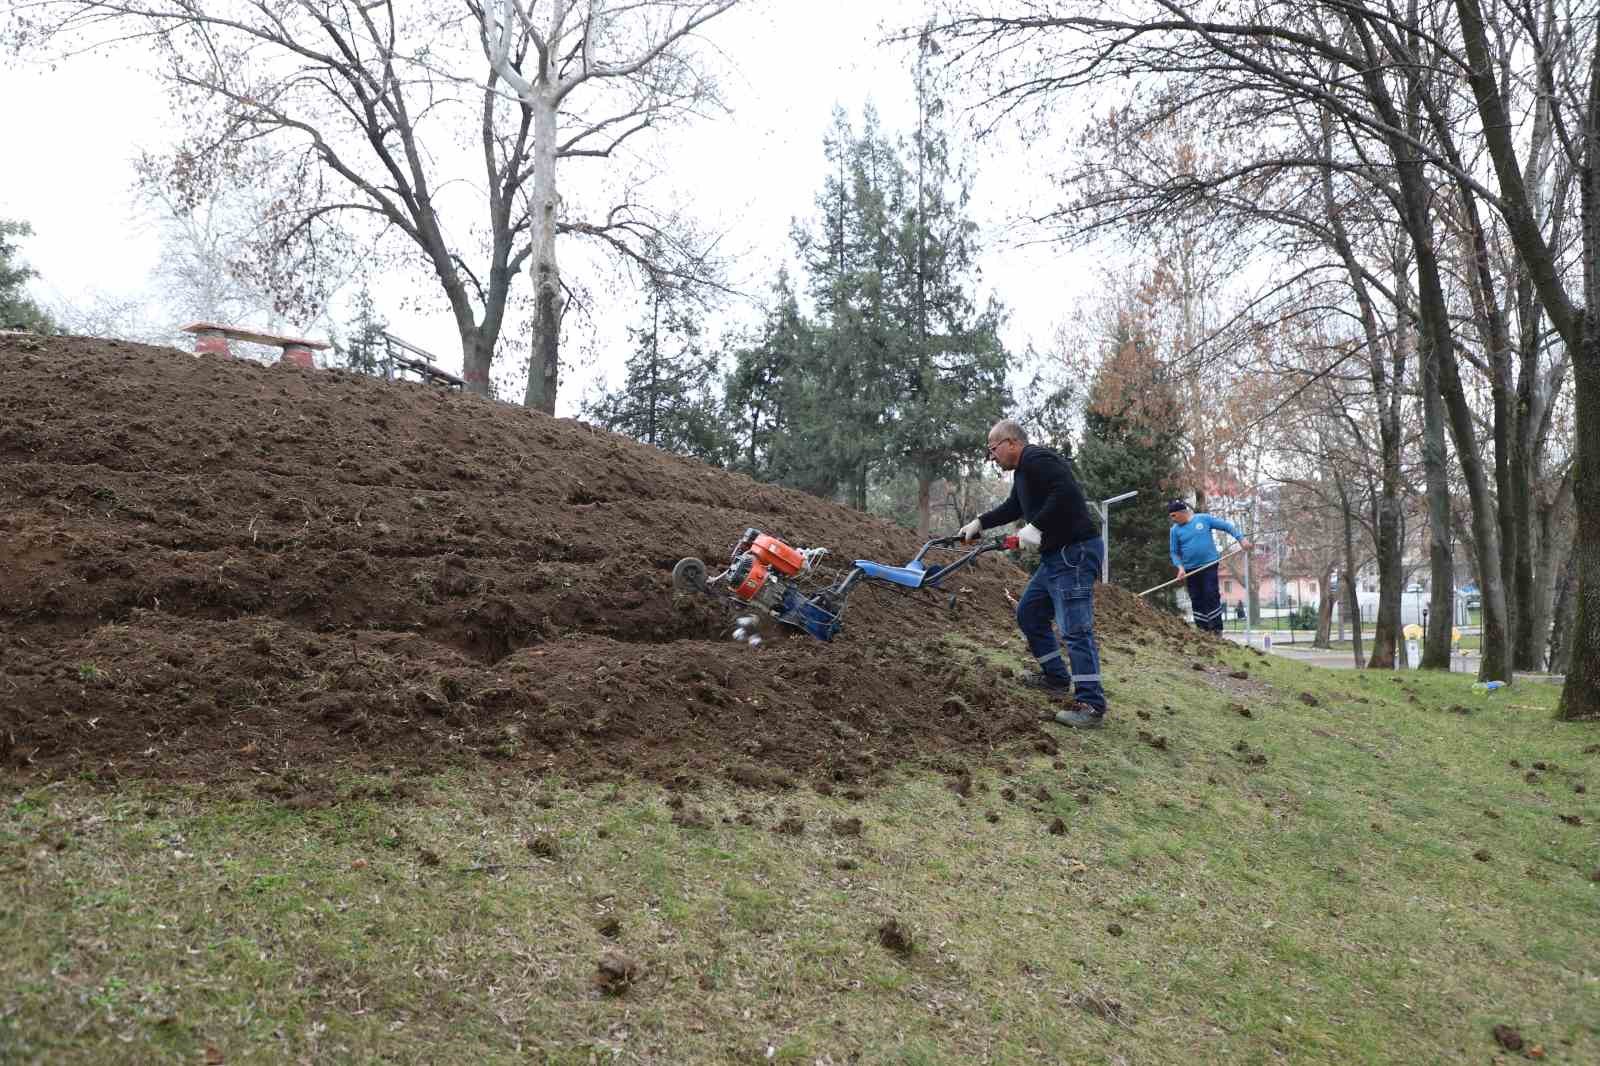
[211, 338]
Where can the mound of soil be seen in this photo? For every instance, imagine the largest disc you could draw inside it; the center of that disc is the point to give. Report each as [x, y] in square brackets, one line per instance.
[215, 566]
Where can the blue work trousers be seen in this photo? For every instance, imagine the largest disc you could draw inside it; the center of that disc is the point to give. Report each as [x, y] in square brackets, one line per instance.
[1062, 592]
[1205, 601]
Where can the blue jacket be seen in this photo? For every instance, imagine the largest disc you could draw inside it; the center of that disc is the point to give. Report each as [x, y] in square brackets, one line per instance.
[1191, 545]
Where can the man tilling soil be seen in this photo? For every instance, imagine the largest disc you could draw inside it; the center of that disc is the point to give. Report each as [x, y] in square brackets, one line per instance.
[1060, 594]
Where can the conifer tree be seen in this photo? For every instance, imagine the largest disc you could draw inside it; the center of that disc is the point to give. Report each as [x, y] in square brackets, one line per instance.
[17, 309]
[1131, 443]
[667, 398]
[363, 349]
[951, 366]
[764, 398]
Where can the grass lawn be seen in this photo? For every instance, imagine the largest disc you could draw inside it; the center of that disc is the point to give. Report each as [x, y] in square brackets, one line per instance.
[1469, 642]
[1307, 866]
[1280, 624]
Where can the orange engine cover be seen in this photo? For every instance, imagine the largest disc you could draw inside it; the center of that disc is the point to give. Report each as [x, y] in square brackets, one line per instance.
[778, 555]
[752, 581]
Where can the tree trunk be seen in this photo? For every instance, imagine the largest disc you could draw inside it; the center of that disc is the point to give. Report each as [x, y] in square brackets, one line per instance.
[1324, 638]
[1563, 616]
[477, 354]
[1386, 629]
[1505, 490]
[1555, 540]
[1580, 696]
[924, 503]
[1523, 598]
[1441, 562]
[544, 361]
[1352, 605]
[1348, 580]
[1496, 661]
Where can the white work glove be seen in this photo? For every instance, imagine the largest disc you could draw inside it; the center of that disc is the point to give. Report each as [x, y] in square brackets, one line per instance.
[971, 530]
[1029, 537]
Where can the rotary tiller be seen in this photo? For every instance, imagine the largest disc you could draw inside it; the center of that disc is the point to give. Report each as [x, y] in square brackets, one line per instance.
[769, 576]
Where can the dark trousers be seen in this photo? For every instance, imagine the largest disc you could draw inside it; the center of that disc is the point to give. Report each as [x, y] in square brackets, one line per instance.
[1205, 600]
[1060, 596]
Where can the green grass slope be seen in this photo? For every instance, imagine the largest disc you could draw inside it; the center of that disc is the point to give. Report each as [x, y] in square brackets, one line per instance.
[1295, 865]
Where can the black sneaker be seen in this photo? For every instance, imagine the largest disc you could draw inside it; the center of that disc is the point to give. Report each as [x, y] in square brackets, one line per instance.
[1047, 683]
[1081, 716]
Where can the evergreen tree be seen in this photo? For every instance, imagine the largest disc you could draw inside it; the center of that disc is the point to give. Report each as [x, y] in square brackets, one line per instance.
[17, 309]
[900, 373]
[951, 368]
[766, 398]
[846, 394]
[363, 348]
[666, 399]
[1131, 443]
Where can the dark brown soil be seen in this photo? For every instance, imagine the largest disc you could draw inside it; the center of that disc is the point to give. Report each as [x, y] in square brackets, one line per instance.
[1159, 742]
[217, 568]
[894, 935]
[615, 973]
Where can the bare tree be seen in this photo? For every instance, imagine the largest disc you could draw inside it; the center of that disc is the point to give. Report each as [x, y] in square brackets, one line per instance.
[375, 104]
[1388, 81]
[222, 260]
[398, 120]
[591, 75]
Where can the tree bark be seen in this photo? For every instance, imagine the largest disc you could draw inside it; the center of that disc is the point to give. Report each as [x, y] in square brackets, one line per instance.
[1441, 563]
[1580, 696]
[1564, 614]
[1324, 637]
[544, 361]
[1348, 581]
[1555, 541]
[1386, 628]
[924, 503]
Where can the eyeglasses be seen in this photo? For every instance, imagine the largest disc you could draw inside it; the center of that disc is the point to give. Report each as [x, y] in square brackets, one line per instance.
[992, 445]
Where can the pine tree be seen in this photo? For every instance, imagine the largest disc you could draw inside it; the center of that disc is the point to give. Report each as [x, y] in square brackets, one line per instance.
[666, 399]
[845, 398]
[17, 309]
[951, 368]
[765, 398]
[900, 373]
[363, 348]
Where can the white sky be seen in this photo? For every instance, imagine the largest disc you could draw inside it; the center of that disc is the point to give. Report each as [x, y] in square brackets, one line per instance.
[749, 173]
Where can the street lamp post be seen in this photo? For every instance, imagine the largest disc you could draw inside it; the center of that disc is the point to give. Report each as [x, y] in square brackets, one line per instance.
[1249, 629]
[1105, 533]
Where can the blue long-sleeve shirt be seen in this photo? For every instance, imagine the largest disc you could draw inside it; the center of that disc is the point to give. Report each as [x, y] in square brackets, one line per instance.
[1191, 544]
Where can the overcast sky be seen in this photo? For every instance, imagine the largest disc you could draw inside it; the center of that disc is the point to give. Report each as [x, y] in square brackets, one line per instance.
[791, 61]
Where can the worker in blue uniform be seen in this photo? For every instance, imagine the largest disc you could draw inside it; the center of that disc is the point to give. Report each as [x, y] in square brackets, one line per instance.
[1192, 547]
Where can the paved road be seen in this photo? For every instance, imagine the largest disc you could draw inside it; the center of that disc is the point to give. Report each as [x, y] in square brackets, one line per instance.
[1345, 660]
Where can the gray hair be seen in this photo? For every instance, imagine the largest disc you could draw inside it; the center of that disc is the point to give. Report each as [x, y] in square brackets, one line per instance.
[1009, 428]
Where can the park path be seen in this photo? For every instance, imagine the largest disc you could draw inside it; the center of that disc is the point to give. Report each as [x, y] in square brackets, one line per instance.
[1343, 660]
